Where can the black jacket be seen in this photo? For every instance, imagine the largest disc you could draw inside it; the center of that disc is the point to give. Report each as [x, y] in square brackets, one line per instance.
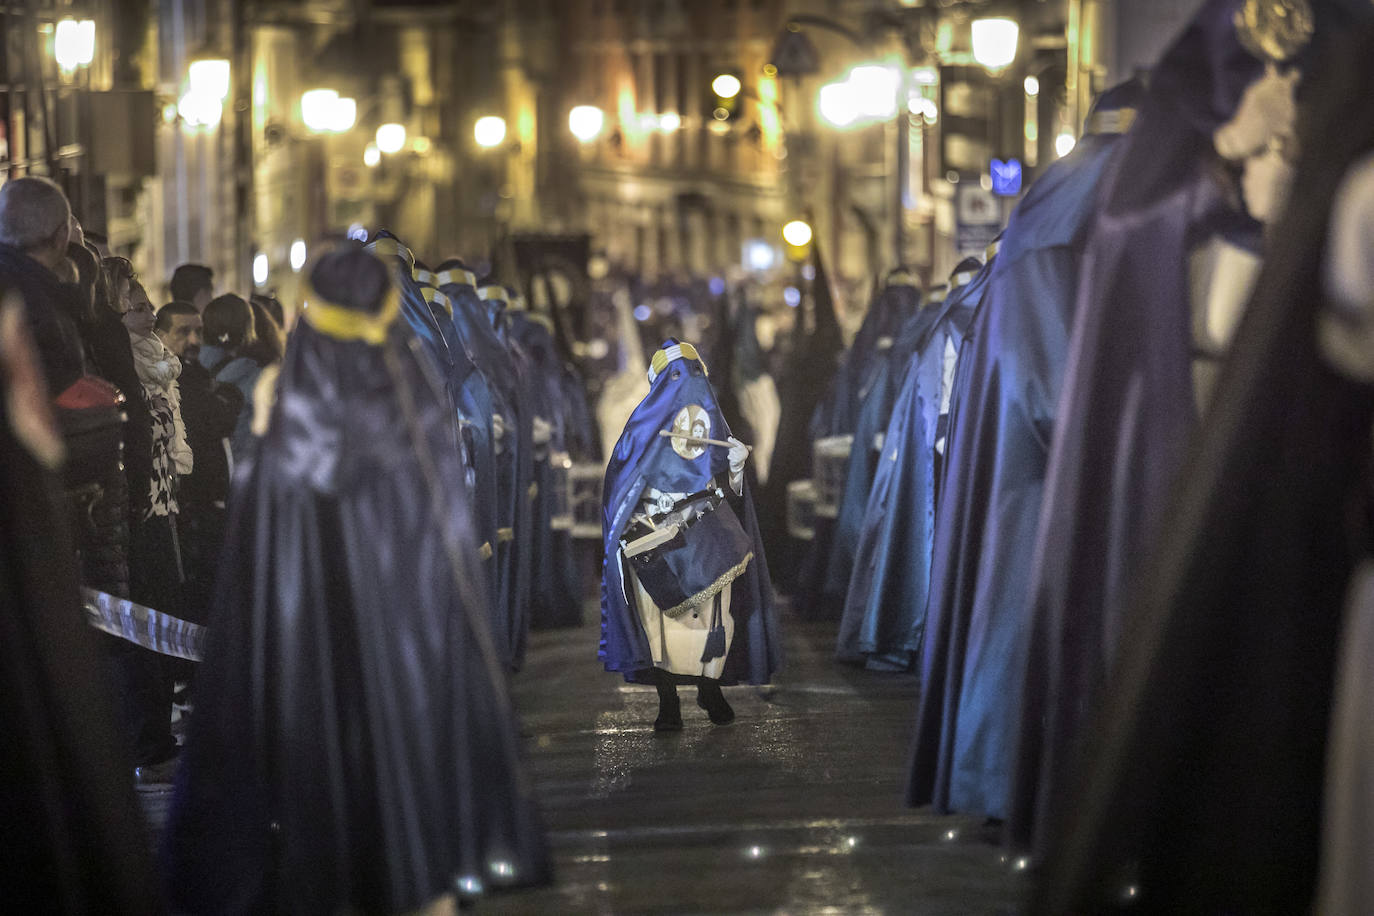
[51, 307]
[209, 409]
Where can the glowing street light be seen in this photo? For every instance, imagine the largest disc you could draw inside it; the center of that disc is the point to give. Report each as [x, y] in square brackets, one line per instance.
[489, 131]
[323, 111]
[1032, 86]
[260, 269]
[994, 42]
[726, 85]
[209, 77]
[1064, 143]
[797, 233]
[670, 121]
[391, 138]
[874, 88]
[372, 156]
[586, 122]
[298, 254]
[200, 110]
[837, 104]
[74, 43]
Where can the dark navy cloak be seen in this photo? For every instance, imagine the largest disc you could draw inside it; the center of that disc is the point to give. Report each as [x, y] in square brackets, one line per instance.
[1204, 761]
[885, 599]
[641, 459]
[354, 746]
[875, 366]
[1010, 373]
[493, 361]
[1128, 406]
[556, 592]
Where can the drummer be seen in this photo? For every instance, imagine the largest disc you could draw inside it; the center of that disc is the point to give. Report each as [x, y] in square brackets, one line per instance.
[685, 595]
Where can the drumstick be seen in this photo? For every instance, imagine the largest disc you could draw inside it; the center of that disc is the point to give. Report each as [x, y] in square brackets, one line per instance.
[669, 434]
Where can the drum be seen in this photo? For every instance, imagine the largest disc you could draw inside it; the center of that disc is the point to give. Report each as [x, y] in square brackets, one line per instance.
[684, 563]
[561, 512]
[801, 509]
[830, 463]
[584, 499]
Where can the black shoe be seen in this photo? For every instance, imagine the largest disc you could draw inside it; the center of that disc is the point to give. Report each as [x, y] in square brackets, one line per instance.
[711, 699]
[669, 715]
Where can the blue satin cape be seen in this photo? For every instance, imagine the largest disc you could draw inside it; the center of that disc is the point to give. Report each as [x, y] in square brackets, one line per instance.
[885, 599]
[1010, 375]
[643, 458]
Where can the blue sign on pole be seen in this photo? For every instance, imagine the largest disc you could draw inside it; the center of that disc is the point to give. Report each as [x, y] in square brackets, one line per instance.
[1006, 177]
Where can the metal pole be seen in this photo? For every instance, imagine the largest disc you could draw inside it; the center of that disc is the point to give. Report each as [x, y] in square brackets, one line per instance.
[903, 171]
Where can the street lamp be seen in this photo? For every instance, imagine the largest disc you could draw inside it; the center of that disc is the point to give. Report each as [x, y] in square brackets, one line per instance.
[670, 121]
[74, 43]
[260, 269]
[209, 77]
[489, 131]
[726, 85]
[994, 42]
[298, 254]
[1032, 85]
[837, 104]
[372, 155]
[1064, 143]
[325, 112]
[586, 122]
[391, 138]
[797, 233]
[875, 86]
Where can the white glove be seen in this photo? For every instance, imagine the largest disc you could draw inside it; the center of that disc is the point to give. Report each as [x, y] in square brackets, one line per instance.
[738, 453]
[1266, 110]
[543, 431]
[498, 426]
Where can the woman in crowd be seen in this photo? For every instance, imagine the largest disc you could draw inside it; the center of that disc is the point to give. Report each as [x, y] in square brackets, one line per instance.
[227, 353]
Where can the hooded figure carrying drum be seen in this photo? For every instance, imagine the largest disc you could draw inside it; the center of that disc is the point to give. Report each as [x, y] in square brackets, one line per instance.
[685, 594]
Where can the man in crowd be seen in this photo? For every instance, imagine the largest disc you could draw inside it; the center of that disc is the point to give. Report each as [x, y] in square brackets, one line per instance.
[35, 226]
[193, 283]
[209, 409]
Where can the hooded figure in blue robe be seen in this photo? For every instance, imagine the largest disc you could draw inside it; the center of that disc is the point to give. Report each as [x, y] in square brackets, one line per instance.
[885, 601]
[1199, 771]
[651, 476]
[516, 536]
[809, 364]
[475, 400]
[493, 361]
[998, 446]
[354, 748]
[556, 593]
[886, 356]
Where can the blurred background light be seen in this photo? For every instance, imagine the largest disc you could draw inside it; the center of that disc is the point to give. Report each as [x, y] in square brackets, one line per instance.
[372, 155]
[74, 43]
[586, 122]
[489, 131]
[391, 138]
[726, 85]
[260, 269]
[1064, 143]
[670, 121]
[874, 88]
[792, 296]
[994, 42]
[837, 104]
[298, 254]
[797, 233]
[209, 77]
[1032, 86]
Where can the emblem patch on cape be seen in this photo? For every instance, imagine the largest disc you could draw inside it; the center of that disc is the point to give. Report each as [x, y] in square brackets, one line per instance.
[693, 421]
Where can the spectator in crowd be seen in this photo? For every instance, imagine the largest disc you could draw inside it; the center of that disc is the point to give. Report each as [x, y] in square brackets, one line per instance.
[269, 340]
[35, 226]
[155, 575]
[193, 283]
[210, 410]
[273, 306]
[229, 335]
